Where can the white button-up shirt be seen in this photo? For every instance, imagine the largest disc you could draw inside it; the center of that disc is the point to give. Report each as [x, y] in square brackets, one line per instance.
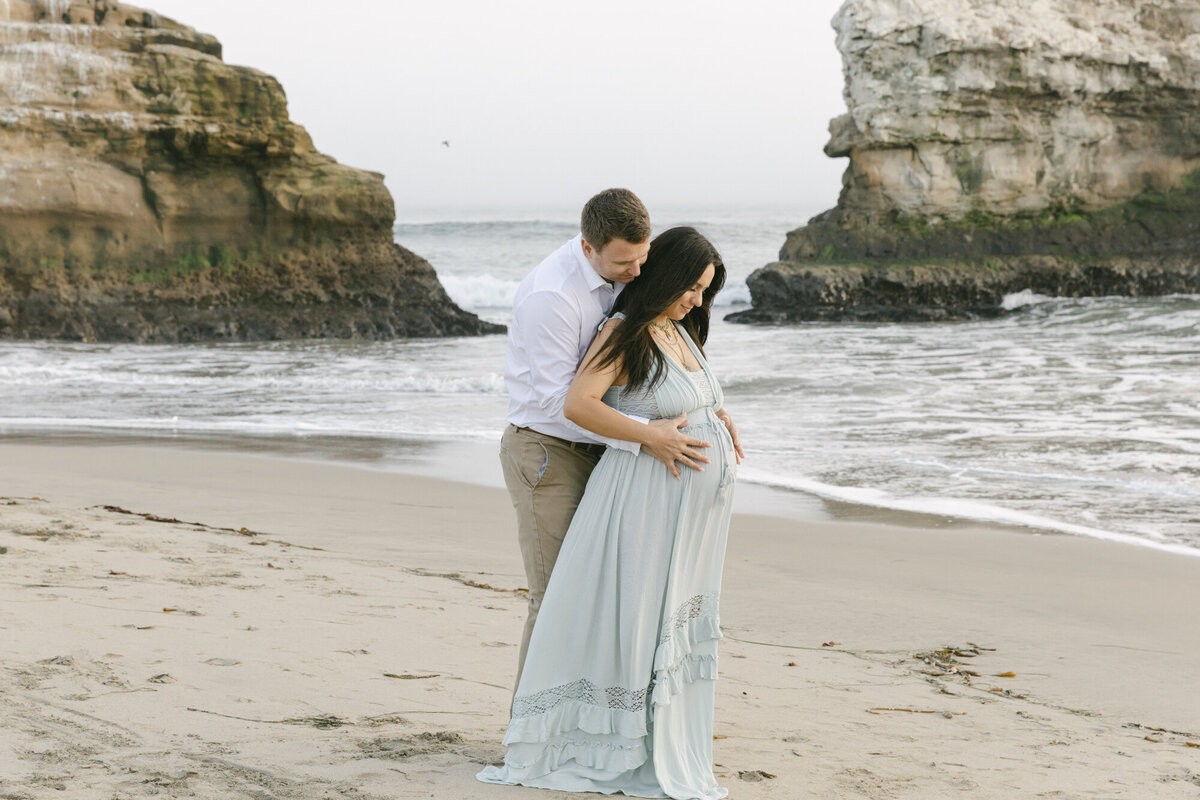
[556, 312]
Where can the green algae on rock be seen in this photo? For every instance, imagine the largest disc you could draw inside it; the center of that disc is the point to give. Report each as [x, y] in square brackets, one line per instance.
[150, 192]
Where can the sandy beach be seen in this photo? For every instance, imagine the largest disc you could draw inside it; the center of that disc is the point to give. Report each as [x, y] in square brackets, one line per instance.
[210, 624]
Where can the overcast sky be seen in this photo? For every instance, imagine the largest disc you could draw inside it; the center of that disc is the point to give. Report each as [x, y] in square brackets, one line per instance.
[687, 102]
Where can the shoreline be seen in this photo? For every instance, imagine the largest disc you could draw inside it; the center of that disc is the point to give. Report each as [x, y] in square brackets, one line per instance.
[474, 462]
[832, 682]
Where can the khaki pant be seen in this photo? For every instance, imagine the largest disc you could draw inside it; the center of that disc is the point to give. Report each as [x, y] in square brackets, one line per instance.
[546, 477]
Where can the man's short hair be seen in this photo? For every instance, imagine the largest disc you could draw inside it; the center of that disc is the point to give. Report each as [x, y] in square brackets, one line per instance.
[614, 214]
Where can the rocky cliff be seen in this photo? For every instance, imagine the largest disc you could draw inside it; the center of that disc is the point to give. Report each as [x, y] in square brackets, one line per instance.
[151, 192]
[994, 147]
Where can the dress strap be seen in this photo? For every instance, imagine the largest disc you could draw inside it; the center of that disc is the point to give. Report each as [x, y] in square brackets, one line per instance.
[605, 321]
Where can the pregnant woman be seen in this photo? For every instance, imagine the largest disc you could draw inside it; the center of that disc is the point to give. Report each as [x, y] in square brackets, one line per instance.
[618, 686]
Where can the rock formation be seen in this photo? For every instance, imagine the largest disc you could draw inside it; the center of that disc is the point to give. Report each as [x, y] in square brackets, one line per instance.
[151, 192]
[1044, 144]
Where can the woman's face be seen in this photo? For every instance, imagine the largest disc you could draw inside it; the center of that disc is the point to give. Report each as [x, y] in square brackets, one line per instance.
[693, 297]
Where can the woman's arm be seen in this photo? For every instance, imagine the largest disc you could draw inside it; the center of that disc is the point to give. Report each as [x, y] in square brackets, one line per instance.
[583, 404]
[660, 438]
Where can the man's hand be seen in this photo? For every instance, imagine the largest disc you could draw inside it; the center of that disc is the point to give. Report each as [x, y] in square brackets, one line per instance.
[723, 415]
[668, 445]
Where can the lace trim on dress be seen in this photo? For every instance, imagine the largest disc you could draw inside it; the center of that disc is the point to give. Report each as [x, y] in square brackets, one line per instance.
[700, 605]
[699, 379]
[583, 690]
[616, 697]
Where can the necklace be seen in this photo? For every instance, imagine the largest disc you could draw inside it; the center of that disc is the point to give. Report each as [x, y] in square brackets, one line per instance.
[666, 329]
[674, 345]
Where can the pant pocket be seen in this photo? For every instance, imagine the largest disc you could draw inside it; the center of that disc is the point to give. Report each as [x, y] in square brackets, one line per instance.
[533, 461]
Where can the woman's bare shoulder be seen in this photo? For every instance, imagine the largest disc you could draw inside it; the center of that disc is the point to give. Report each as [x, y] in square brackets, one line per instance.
[606, 330]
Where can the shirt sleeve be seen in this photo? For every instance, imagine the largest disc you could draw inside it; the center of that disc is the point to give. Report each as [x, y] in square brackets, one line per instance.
[548, 323]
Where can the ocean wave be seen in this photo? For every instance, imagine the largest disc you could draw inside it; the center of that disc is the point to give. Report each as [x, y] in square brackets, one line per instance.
[1027, 297]
[426, 384]
[1126, 487]
[735, 293]
[492, 229]
[956, 508]
[328, 385]
[756, 384]
[486, 291]
[419, 383]
[474, 292]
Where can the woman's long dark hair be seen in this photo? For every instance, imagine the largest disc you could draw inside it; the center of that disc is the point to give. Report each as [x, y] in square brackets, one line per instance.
[677, 260]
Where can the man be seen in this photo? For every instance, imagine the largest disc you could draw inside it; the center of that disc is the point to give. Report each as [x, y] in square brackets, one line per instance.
[546, 458]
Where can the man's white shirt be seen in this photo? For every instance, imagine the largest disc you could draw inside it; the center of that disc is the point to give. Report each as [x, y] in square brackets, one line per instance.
[556, 312]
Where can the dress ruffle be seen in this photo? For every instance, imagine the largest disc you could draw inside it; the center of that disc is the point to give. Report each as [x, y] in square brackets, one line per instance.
[609, 739]
[614, 755]
[682, 639]
[670, 682]
[575, 715]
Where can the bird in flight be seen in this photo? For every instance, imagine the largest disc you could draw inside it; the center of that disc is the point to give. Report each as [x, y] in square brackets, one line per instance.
[445, 142]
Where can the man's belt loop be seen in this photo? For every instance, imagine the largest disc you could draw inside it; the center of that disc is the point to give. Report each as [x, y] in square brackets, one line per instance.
[591, 448]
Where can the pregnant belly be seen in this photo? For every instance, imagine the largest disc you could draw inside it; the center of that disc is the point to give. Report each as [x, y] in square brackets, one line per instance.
[722, 469]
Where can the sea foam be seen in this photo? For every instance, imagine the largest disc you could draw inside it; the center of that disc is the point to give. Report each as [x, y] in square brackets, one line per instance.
[1027, 297]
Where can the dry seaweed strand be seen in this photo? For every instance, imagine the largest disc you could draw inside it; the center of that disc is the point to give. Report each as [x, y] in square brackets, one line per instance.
[1189, 739]
[217, 529]
[947, 714]
[460, 578]
[824, 648]
[325, 721]
[407, 677]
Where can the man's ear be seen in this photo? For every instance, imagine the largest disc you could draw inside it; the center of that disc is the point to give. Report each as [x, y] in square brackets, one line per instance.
[588, 249]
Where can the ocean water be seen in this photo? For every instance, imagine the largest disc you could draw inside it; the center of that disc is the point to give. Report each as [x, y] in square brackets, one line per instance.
[1080, 416]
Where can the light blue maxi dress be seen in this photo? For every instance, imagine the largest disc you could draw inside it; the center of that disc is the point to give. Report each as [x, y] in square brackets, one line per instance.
[617, 690]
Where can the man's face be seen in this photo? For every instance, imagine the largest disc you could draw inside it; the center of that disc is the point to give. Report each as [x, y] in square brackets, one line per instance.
[620, 261]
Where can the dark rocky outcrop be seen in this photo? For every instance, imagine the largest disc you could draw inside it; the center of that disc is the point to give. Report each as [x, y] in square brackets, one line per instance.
[788, 291]
[1047, 145]
[150, 192]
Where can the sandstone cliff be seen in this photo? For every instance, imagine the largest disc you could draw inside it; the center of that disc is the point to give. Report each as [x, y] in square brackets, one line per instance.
[1044, 144]
[151, 192]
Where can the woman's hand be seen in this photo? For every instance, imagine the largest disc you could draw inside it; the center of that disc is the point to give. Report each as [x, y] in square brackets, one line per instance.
[668, 444]
[723, 415]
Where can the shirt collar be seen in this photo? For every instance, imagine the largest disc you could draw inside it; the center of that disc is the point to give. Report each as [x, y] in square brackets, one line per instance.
[593, 279]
